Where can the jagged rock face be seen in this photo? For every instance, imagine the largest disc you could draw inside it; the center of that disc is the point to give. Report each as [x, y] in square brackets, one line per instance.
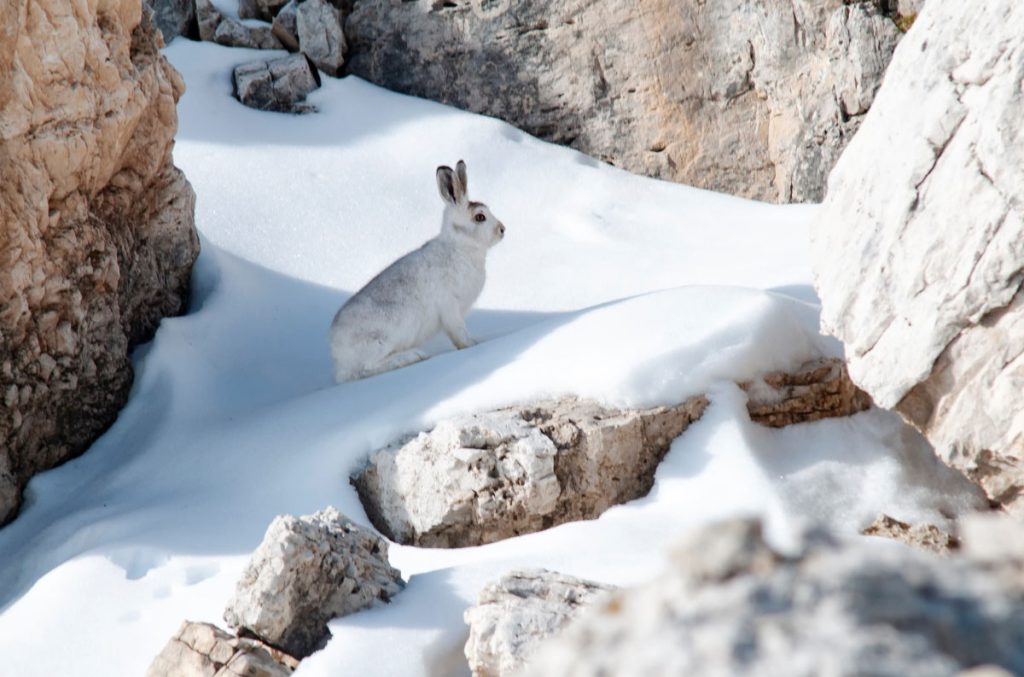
[731, 605]
[920, 267]
[97, 236]
[306, 571]
[747, 97]
[481, 478]
[204, 650]
[817, 390]
[518, 612]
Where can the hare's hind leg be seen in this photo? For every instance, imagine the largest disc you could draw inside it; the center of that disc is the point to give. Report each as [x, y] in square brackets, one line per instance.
[396, 361]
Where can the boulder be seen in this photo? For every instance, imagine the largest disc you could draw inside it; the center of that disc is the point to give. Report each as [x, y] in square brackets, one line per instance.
[276, 85]
[484, 477]
[926, 536]
[97, 237]
[732, 605]
[307, 571]
[204, 650]
[319, 28]
[215, 27]
[919, 268]
[285, 27]
[173, 17]
[752, 98]
[517, 612]
[819, 389]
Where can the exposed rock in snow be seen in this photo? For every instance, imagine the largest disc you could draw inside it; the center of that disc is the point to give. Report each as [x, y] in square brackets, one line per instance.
[517, 612]
[204, 650]
[307, 571]
[97, 236]
[484, 477]
[319, 27]
[751, 98]
[920, 267]
[173, 17]
[215, 27]
[731, 605]
[817, 390]
[926, 536]
[277, 85]
[285, 28]
[265, 10]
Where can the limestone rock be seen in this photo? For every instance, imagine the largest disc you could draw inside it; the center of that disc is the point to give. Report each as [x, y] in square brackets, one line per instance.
[747, 97]
[731, 605]
[173, 17]
[926, 536]
[277, 85]
[319, 27]
[484, 477]
[817, 390]
[204, 650]
[285, 27]
[97, 237]
[920, 267]
[517, 612]
[307, 571]
[215, 27]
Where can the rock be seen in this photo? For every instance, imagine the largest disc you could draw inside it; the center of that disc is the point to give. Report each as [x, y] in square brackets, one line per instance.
[173, 17]
[204, 650]
[265, 10]
[919, 270]
[731, 605]
[817, 390]
[925, 536]
[215, 27]
[285, 28]
[307, 571]
[751, 98]
[484, 477]
[97, 237]
[319, 27]
[277, 85]
[517, 612]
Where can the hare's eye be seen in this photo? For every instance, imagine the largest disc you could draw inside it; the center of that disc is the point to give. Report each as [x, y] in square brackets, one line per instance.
[479, 218]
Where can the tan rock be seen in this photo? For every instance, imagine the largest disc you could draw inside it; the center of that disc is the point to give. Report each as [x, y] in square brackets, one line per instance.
[817, 390]
[925, 536]
[204, 650]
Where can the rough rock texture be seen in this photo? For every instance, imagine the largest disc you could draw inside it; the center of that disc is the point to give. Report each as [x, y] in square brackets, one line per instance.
[730, 605]
[276, 85]
[319, 27]
[260, 9]
[215, 27]
[307, 571]
[204, 650]
[742, 96]
[817, 390]
[517, 612]
[920, 267]
[925, 536]
[285, 27]
[484, 477]
[97, 236]
[173, 17]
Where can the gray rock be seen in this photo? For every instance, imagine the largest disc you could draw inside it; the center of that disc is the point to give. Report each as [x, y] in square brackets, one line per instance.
[518, 612]
[307, 571]
[484, 477]
[215, 27]
[285, 28]
[204, 650]
[264, 10]
[747, 97]
[732, 605]
[319, 27]
[279, 85]
[919, 267]
[173, 17]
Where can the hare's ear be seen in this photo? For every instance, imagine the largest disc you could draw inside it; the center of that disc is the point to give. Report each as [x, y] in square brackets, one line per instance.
[447, 184]
[460, 171]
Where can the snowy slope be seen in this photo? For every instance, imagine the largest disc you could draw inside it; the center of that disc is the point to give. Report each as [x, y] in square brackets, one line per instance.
[607, 285]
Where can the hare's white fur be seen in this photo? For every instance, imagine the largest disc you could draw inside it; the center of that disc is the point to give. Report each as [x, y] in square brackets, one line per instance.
[428, 290]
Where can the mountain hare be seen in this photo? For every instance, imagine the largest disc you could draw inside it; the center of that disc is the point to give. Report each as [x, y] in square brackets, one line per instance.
[383, 324]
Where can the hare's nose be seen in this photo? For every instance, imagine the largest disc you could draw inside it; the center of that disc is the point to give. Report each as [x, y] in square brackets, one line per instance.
[501, 229]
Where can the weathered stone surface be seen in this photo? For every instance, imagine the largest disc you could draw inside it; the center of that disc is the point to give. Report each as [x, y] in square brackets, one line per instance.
[817, 390]
[517, 612]
[97, 236]
[484, 477]
[319, 27]
[215, 27]
[285, 27]
[926, 536]
[277, 85]
[307, 571]
[204, 650]
[746, 97]
[920, 267]
[264, 10]
[173, 17]
[731, 605]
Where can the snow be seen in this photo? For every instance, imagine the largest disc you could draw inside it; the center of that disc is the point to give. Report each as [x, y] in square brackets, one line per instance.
[607, 285]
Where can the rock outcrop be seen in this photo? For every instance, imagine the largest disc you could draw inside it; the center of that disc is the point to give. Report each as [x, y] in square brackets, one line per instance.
[920, 267]
[174, 17]
[817, 390]
[321, 37]
[204, 650]
[307, 571]
[516, 613]
[97, 236]
[481, 478]
[277, 85]
[925, 536]
[731, 605]
[752, 98]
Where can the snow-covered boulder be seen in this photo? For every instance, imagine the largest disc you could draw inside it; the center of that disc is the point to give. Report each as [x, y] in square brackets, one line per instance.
[519, 611]
[277, 85]
[307, 571]
[919, 267]
[819, 389]
[484, 477]
[731, 605]
[204, 650]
